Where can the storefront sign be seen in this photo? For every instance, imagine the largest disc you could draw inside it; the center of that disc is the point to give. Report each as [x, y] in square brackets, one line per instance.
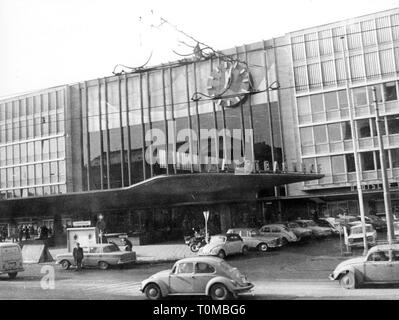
[81, 223]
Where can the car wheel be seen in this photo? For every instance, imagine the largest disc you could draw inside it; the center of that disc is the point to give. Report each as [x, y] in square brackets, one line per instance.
[284, 241]
[348, 281]
[103, 265]
[219, 292]
[152, 291]
[222, 254]
[12, 275]
[263, 247]
[244, 250]
[194, 247]
[65, 264]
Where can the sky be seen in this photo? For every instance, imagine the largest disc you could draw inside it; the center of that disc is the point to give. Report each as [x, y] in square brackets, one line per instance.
[46, 43]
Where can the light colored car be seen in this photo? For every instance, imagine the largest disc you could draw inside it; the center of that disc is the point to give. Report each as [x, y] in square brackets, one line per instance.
[335, 227]
[396, 228]
[301, 233]
[355, 236]
[375, 221]
[210, 276]
[381, 265]
[253, 239]
[10, 259]
[279, 230]
[224, 245]
[99, 255]
[317, 231]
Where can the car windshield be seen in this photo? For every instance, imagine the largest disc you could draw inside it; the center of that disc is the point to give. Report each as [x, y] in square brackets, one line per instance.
[226, 267]
[217, 239]
[111, 248]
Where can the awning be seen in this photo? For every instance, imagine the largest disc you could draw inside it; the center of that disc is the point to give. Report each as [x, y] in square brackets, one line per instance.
[159, 191]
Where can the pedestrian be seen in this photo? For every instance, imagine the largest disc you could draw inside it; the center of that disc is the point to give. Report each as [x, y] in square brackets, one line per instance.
[20, 233]
[27, 234]
[78, 256]
[127, 243]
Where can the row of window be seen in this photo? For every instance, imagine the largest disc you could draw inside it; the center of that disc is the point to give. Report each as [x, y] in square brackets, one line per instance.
[31, 175]
[27, 152]
[367, 33]
[335, 100]
[32, 192]
[333, 72]
[36, 105]
[341, 164]
[32, 127]
[341, 131]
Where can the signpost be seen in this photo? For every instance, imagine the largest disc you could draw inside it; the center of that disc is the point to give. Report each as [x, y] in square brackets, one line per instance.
[206, 217]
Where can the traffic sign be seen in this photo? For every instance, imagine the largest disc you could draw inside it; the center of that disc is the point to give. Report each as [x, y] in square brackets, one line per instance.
[206, 215]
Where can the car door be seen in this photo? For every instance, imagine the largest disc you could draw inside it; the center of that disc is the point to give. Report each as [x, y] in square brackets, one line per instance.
[229, 244]
[235, 244]
[377, 268]
[89, 255]
[395, 266]
[182, 279]
[265, 230]
[203, 273]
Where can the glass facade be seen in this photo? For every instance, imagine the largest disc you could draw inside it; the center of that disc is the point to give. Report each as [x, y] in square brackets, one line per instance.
[141, 125]
[322, 99]
[32, 145]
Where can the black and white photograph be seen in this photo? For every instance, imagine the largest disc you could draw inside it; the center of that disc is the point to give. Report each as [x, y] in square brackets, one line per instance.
[176, 151]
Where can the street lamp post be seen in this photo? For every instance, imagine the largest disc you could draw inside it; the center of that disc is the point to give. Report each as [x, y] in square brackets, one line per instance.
[385, 185]
[355, 149]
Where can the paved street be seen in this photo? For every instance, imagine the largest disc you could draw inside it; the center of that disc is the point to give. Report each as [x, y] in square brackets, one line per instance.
[293, 272]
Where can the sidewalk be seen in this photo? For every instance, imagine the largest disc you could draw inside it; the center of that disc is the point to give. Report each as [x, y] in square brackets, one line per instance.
[150, 253]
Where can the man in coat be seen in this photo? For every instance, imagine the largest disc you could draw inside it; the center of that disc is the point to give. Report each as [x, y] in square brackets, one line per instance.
[78, 256]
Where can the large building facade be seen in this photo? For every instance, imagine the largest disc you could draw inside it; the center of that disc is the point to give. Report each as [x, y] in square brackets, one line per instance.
[119, 131]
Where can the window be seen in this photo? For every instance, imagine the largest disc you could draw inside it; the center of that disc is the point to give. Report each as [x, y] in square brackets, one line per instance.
[323, 164]
[377, 155]
[306, 136]
[363, 128]
[379, 256]
[390, 91]
[395, 158]
[367, 160]
[185, 268]
[316, 101]
[338, 164]
[350, 162]
[346, 130]
[303, 106]
[320, 135]
[382, 127]
[360, 96]
[393, 124]
[201, 267]
[377, 93]
[330, 99]
[334, 132]
[343, 99]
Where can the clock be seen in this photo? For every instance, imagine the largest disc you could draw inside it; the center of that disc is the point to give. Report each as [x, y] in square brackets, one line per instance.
[229, 84]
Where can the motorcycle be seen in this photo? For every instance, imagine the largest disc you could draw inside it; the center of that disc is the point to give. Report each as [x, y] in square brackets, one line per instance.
[195, 242]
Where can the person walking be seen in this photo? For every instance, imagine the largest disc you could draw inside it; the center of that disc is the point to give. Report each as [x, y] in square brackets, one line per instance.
[127, 243]
[78, 256]
[20, 233]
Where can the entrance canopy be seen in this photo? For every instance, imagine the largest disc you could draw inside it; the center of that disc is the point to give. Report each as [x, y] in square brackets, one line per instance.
[159, 191]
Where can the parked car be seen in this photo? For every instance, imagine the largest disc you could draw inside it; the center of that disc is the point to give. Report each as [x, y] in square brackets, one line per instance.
[355, 235]
[10, 259]
[328, 223]
[375, 221]
[99, 255]
[279, 230]
[209, 276]
[301, 233]
[317, 231]
[396, 228]
[224, 245]
[253, 239]
[381, 265]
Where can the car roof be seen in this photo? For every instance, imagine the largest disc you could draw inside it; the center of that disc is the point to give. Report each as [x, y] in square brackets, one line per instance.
[304, 220]
[236, 230]
[384, 247]
[274, 225]
[208, 259]
[100, 245]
